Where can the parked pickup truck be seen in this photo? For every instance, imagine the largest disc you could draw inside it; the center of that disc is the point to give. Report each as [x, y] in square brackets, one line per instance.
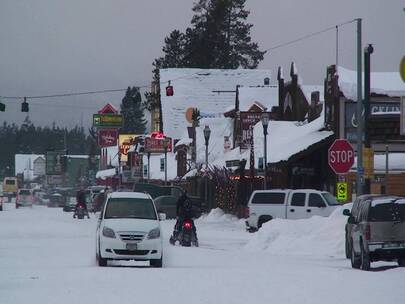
[265, 205]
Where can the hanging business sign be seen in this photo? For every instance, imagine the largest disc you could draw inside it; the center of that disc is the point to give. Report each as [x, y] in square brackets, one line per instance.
[107, 137]
[125, 143]
[108, 120]
[156, 145]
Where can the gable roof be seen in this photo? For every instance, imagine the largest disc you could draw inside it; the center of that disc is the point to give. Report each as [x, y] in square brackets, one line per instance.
[195, 88]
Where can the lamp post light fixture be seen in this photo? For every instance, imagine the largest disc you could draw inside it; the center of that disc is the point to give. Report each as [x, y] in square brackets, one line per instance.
[265, 123]
[207, 133]
[165, 147]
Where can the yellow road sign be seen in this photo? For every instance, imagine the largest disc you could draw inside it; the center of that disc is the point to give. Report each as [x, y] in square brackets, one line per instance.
[402, 69]
[341, 191]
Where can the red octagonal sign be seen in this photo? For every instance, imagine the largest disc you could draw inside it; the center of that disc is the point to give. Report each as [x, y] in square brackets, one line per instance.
[341, 156]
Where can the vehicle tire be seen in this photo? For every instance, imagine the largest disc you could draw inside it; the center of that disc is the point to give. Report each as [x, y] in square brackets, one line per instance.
[401, 262]
[263, 219]
[157, 263]
[101, 261]
[348, 249]
[354, 259]
[365, 260]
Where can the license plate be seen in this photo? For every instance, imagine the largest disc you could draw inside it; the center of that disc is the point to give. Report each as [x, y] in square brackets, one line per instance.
[394, 245]
[132, 246]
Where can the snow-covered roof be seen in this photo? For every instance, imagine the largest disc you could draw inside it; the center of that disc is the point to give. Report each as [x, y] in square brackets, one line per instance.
[266, 96]
[287, 138]
[184, 141]
[385, 83]
[396, 162]
[194, 88]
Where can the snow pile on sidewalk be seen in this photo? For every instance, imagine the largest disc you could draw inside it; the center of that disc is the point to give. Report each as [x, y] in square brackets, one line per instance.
[218, 215]
[314, 236]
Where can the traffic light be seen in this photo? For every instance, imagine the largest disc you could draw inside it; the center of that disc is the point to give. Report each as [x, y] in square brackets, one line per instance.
[24, 105]
[2, 107]
[169, 90]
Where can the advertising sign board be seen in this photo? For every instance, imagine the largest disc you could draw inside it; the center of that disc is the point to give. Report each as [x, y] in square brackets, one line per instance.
[107, 137]
[247, 122]
[54, 162]
[108, 120]
[125, 143]
[155, 145]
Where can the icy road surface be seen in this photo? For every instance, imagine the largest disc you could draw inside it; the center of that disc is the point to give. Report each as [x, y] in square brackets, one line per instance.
[46, 256]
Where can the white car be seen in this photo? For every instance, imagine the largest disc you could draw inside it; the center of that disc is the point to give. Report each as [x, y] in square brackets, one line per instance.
[129, 229]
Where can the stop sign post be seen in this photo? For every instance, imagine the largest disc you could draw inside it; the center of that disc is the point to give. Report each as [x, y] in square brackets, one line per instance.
[341, 156]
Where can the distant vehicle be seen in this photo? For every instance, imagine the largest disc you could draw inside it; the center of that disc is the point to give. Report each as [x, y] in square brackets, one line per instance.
[41, 198]
[10, 186]
[129, 229]
[265, 205]
[56, 200]
[70, 204]
[167, 204]
[378, 232]
[25, 198]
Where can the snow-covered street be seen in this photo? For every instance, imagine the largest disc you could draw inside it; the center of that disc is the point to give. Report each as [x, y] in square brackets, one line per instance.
[46, 256]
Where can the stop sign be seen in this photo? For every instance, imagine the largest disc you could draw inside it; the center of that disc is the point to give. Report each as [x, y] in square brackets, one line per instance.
[341, 156]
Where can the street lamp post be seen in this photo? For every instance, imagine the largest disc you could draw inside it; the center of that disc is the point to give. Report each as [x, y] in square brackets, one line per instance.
[207, 133]
[265, 123]
[165, 146]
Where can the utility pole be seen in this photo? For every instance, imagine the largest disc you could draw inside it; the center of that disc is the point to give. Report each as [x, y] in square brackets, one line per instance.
[360, 169]
[367, 143]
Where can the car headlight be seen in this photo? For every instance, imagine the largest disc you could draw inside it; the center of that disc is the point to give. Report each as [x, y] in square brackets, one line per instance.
[108, 232]
[154, 233]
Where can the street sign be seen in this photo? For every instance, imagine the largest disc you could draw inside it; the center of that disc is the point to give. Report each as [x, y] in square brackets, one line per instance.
[108, 120]
[368, 162]
[155, 145]
[107, 137]
[341, 156]
[341, 191]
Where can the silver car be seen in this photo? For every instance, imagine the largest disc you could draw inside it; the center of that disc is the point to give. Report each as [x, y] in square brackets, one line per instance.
[378, 232]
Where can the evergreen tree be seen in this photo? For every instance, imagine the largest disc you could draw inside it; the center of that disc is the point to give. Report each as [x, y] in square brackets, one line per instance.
[219, 37]
[132, 111]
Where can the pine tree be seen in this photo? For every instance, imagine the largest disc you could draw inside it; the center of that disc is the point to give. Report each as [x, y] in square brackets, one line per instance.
[132, 111]
[219, 37]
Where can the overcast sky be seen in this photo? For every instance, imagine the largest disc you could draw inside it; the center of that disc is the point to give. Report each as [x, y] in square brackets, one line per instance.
[50, 46]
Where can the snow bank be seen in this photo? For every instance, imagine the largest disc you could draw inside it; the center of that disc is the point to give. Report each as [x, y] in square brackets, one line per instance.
[217, 215]
[314, 236]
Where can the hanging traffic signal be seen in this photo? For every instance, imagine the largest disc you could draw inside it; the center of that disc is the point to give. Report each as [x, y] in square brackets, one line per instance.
[24, 105]
[169, 90]
[2, 107]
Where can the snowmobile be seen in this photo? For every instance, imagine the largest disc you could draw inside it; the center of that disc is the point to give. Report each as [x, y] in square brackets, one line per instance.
[186, 236]
[81, 212]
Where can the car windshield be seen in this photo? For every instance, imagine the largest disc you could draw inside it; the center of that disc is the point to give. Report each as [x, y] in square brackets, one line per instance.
[124, 207]
[388, 212]
[330, 199]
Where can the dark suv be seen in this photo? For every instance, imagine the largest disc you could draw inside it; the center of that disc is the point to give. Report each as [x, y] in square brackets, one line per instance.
[377, 231]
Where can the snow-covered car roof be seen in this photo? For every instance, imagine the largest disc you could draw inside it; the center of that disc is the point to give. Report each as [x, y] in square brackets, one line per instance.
[129, 195]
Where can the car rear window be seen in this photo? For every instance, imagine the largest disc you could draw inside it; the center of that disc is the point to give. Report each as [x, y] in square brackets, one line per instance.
[10, 182]
[389, 212]
[25, 192]
[123, 207]
[269, 198]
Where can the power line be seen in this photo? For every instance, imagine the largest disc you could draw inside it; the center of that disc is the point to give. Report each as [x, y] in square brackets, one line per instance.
[195, 75]
[334, 27]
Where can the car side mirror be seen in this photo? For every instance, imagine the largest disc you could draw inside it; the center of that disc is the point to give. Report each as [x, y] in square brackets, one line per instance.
[162, 216]
[346, 212]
